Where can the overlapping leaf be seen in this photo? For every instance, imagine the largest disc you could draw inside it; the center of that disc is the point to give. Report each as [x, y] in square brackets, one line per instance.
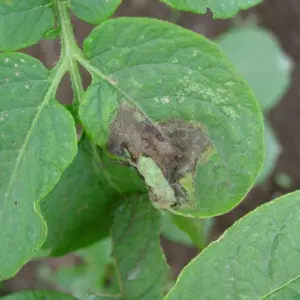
[140, 63]
[140, 263]
[94, 11]
[221, 9]
[79, 210]
[37, 142]
[23, 23]
[257, 258]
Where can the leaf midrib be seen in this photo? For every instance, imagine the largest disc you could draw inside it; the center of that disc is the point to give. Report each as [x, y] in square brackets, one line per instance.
[279, 288]
[52, 88]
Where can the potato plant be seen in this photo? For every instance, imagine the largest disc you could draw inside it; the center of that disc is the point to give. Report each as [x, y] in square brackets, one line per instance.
[168, 126]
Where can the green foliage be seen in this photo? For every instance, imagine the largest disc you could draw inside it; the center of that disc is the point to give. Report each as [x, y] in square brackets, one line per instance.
[34, 152]
[221, 9]
[94, 11]
[38, 295]
[267, 70]
[23, 23]
[284, 180]
[140, 263]
[257, 258]
[187, 231]
[272, 151]
[84, 279]
[265, 67]
[172, 233]
[168, 124]
[199, 87]
[83, 195]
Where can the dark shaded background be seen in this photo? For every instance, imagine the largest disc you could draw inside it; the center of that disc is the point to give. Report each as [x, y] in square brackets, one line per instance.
[282, 18]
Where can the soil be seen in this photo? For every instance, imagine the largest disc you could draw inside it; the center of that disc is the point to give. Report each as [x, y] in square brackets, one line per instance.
[282, 18]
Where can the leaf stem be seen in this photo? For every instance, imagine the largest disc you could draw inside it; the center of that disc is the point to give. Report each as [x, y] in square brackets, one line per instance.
[69, 50]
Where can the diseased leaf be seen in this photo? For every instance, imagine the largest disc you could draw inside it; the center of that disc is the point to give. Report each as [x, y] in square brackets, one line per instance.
[38, 295]
[94, 11]
[140, 263]
[37, 143]
[160, 192]
[221, 9]
[181, 103]
[23, 23]
[268, 75]
[78, 211]
[257, 258]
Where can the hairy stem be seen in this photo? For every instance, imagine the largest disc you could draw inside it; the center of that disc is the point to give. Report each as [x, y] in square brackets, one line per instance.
[69, 50]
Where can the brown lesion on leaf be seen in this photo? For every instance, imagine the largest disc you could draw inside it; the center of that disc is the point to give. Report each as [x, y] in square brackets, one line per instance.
[176, 146]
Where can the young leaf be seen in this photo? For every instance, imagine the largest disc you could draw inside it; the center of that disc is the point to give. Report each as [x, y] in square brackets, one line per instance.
[140, 263]
[37, 142]
[94, 11]
[268, 75]
[257, 258]
[23, 23]
[184, 98]
[222, 9]
[78, 211]
[38, 295]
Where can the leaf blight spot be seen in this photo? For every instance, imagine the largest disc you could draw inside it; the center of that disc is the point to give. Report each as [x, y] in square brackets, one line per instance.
[169, 150]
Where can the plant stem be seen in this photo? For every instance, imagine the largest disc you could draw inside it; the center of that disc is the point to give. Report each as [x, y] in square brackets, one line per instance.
[69, 50]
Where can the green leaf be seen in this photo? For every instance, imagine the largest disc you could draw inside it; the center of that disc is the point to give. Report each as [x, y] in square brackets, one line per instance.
[78, 211]
[186, 231]
[184, 98]
[89, 190]
[171, 232]
[86, 278]
[38, 295]
[23, 23]
[221, 9]
[283, 180]
[94, 11]
[257, 258]
[197, 229]
[272, 151]
[34, 151]
[268, 75]
[140, 263]
[52, 34]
